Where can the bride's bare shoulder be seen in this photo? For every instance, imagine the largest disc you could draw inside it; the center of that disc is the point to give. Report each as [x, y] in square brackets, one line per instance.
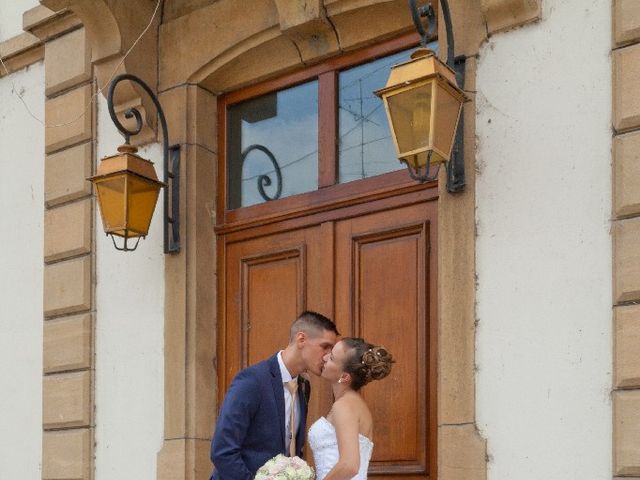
[350, 404]
[353, 411]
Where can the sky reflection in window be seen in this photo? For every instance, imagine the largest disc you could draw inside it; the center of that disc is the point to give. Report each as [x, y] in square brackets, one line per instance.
[365, 147]
[275, 131]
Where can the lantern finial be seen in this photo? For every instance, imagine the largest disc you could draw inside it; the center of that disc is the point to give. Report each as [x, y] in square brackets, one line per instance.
[127, 148]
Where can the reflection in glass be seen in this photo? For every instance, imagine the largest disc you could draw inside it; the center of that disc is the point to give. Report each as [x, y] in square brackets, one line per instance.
[411, 112]
[272, 146]
[365, 147]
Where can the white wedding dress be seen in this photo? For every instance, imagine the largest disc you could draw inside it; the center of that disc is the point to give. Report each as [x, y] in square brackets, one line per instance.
[324, 445]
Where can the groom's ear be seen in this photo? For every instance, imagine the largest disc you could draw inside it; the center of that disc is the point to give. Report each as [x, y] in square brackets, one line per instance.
[300, 339]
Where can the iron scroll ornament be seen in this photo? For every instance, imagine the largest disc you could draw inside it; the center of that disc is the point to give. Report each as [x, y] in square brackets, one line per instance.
[455, 166]
[171, 165]
[427, 11]
[264, 180]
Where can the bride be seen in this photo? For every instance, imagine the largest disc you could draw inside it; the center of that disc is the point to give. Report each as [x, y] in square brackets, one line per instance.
[341, 442]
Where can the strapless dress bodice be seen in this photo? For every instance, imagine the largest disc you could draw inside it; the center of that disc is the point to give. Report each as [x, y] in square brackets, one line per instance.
[324, 446]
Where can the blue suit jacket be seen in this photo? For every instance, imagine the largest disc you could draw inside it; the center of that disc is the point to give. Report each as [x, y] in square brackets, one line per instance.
[250, 428]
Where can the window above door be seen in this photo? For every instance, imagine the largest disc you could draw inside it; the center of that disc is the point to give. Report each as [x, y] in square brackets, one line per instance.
[311, 130]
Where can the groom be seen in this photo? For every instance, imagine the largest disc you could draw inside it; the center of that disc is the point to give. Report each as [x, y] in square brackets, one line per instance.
[255, 421]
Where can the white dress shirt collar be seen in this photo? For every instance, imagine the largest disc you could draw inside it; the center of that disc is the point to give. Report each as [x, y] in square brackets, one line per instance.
[284, 373]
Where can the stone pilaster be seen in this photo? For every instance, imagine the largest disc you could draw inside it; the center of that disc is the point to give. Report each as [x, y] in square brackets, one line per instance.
[626, 242]
[190, 381]
[68, 382]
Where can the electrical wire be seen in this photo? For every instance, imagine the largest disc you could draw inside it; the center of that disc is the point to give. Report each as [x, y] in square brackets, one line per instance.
[97, 92]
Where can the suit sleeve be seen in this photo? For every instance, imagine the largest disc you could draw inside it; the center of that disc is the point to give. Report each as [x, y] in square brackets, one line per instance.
[238, 408]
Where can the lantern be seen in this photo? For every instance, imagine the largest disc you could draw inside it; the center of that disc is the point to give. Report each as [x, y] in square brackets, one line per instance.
[127, 188]
[423, 105]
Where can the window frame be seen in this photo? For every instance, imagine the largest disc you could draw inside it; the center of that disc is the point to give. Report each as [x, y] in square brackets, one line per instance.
[329, 191]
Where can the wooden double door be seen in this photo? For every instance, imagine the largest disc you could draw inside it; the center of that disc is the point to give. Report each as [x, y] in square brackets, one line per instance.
[369, 267]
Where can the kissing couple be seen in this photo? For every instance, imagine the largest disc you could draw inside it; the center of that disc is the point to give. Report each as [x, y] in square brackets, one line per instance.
[264, 411]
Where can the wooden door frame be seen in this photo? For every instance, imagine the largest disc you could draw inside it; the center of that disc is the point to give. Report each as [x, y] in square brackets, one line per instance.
[330, 202]
[426, 195]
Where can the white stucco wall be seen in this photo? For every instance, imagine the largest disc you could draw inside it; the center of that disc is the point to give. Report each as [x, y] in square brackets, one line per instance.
[544, 341]
[21, 264]
[129, 339]
[11, 16]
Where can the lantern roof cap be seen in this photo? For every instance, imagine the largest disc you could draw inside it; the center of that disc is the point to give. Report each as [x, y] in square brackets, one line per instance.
[423, 65]
[126, 161]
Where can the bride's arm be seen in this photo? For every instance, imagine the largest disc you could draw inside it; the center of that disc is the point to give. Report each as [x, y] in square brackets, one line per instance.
[346, 422]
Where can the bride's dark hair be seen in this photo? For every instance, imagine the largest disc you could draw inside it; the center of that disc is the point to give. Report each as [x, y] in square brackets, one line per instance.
[365, 362]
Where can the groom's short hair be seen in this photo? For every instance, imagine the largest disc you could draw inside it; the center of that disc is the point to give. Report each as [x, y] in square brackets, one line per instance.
[312, 323]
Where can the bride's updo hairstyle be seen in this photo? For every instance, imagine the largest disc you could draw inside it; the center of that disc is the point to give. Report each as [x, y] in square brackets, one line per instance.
[365, 362]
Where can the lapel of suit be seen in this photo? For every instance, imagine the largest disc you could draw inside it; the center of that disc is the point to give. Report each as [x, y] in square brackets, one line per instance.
[278, 393]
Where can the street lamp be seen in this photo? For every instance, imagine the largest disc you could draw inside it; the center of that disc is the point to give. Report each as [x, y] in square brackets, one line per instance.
[424, 103]
[127, 185]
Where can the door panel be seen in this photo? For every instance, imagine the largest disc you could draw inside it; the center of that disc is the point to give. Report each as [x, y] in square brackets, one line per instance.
[267, 284]
[388, 311]
[276, 275]
[269, 280]
[382, 296]
[373, 274]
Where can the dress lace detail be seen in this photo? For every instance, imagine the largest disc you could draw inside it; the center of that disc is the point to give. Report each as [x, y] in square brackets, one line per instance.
[324, 445]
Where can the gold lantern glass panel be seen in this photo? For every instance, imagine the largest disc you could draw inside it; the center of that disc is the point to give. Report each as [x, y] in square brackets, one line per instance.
[409, 113]
[423, 105]
[112, 200]
[127, 187]
[142, 197]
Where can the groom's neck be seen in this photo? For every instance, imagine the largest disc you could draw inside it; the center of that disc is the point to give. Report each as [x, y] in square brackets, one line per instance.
[291, 361]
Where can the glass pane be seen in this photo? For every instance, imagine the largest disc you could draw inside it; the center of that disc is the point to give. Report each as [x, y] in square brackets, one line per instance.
[365, 147]
[272, 146]
[447, 112]
[112, 194]
[143, 196]
[411, 112]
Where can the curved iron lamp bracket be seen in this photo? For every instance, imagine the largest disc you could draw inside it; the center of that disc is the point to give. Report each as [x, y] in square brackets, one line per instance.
[264, 180]
[455, 166]
[171, 160]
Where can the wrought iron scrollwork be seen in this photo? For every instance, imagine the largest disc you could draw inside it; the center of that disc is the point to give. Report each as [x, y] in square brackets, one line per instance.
[131, 112]
[264, 180]
[171, 166]
[417, 13]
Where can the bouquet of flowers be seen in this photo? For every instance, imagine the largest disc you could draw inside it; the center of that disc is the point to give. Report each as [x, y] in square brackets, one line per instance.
[285, 468]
